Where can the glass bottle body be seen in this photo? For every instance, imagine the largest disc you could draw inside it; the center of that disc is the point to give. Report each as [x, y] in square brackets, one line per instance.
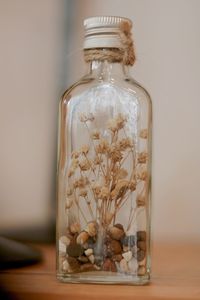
[104, 169]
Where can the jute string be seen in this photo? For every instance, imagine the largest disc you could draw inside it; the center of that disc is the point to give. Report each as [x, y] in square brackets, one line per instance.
[126, 53]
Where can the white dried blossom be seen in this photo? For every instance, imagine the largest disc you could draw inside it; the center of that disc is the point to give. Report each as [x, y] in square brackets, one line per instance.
[86, 117]
[144, 133]
[102, 147]
[142, 157]
[105, 193]
[84, 165]
[85, 149]
[95, 135]
[83, 193]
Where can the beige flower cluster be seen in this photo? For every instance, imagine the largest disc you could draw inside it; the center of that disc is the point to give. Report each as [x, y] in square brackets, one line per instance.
[97, 172]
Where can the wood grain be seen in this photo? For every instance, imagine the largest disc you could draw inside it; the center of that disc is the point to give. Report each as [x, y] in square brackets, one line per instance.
[176, 275]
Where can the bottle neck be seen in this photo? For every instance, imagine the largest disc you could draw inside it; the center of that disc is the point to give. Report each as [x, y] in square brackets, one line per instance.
[106, 71]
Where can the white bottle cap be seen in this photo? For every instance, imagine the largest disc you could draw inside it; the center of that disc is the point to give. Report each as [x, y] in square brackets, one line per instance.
[103, 32]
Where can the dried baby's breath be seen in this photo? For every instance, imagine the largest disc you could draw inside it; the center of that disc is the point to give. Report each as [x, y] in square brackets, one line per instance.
[132, 185]
[83, 193]
[98, 160]
[142, 174]
[144, 133]
[86, 117]
[96, 187]
[69, 191]
[104, 194]
[75, 154]
[95, 135]
[85, 149]
[102, 147]
[121, 119]
[81, 182]
[84, 165]
[142, 157]
[140, 200]
[105, 183]
[125, 143]
[112, 125]
[120, 189]
[122, 173]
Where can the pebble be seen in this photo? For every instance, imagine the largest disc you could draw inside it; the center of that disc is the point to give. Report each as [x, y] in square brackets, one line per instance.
[82, 238]
[141, 245]
[129, 241]
[75, 227]
[109, 265]
[141, 271]
[117, 257]
[114, 247]
[88, 252]
[140, 255]
[65, 240]
[91, 229]
[83, 259]
[73, 263]
[133, 265]
[124, 266]
[116, 233]
[65, 265]
[126, 248]
[62, 248]
[75, 250]
[91, 258]
[88, 267]
[142, 262]
[127, 255]
[141, 236]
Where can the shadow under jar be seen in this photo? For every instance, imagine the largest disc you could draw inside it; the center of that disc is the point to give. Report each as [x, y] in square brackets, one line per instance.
[104, 165]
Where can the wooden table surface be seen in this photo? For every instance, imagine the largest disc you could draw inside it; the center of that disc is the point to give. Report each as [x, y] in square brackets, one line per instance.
[176, 275]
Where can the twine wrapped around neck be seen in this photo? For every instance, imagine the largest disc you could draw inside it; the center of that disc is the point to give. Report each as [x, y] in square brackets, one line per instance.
[125, 54]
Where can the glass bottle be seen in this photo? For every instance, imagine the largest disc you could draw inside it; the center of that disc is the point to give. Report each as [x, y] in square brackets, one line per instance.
[104, 165]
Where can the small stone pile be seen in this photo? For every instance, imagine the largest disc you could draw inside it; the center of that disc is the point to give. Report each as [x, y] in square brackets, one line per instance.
[113, 251]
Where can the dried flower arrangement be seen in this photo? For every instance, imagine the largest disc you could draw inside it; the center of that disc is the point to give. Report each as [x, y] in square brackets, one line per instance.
[99, 181]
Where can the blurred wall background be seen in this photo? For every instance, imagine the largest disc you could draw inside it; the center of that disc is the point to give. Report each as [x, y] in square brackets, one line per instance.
[40, 55]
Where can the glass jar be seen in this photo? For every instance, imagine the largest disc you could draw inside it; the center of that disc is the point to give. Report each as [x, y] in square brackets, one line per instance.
[104, 167]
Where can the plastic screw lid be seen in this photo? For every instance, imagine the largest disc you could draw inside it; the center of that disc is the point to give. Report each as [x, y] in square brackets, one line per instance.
[103, 31]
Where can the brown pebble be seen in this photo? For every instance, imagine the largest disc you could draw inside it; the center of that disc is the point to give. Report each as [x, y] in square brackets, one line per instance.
[118, 225]
[75, 250]
[116, 233]
[141, 236]
[117, 257]
[87, 267]
[141, 245]
[141, 271]
[82, 238]
[91, 229]
[140, 255]
[73, 263]
[109, 265]
[75, 227]
[114, 247]
[83, 259]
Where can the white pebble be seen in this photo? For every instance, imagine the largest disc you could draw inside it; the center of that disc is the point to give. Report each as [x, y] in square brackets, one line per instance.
[65, 240]
[124, 266]
[62, 247]
[88, 252]
[133, 265]
[65, 265]
[91, 258]
[127, 255]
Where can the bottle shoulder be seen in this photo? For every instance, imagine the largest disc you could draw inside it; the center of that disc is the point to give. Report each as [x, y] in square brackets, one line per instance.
[126, 84]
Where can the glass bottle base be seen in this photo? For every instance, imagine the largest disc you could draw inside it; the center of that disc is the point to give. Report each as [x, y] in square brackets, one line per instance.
[104, 278]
